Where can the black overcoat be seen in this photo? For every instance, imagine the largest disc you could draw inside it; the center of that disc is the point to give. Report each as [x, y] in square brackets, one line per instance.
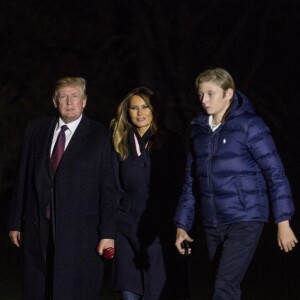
[82, 193]
[145, 220]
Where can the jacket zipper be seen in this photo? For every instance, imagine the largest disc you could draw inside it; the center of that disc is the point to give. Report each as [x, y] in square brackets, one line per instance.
[213, 150]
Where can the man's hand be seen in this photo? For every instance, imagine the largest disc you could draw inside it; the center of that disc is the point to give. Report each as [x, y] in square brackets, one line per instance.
[285, 236]
[105, 244]
[15, 237]
[181, 235]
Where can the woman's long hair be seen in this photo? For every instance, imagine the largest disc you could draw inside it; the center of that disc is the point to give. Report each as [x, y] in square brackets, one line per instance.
[122, 124]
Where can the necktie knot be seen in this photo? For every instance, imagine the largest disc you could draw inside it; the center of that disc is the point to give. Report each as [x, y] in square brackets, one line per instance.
[63, 128]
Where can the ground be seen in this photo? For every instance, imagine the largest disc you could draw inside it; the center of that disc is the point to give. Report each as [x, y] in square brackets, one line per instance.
[272, 275]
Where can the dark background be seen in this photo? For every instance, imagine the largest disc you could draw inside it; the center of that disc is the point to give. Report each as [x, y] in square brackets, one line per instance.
[121, 44]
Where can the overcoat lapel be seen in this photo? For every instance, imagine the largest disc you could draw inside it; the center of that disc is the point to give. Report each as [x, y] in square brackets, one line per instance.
[42, 159]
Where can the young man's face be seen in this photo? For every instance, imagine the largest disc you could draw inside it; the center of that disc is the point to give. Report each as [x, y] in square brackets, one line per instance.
[214, 99]
[70, 103]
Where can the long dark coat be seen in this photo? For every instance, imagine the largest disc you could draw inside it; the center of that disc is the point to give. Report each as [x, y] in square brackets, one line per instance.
[146, 260]
[83, 196]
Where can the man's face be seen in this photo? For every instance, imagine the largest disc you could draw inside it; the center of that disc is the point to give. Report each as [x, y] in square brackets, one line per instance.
[214, 99]
[70, 103]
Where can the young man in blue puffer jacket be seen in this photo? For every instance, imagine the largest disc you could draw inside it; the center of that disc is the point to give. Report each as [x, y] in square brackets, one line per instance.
[234, 163]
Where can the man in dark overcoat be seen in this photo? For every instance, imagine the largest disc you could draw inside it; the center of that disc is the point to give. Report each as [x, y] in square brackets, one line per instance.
[60, 214]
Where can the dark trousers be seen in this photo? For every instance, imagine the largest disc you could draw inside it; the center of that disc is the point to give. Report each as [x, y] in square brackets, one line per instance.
[231, 248]
[130, 296]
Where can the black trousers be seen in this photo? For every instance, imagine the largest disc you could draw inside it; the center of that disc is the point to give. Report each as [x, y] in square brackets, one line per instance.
[231, 249]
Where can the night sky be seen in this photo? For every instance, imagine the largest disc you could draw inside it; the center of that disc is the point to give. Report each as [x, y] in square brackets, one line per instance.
[117, 45]
[120, 44]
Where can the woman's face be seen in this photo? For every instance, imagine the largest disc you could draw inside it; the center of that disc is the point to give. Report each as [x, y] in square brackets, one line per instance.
[140, 114]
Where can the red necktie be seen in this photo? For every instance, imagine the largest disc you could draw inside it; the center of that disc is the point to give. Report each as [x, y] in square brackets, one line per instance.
[58, 149]
[57, 153]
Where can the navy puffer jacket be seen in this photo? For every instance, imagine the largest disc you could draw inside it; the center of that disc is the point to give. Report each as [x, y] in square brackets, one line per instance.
[232, 168]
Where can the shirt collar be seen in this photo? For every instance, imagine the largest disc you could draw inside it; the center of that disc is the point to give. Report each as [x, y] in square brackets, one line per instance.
[213, 127]
[71, 126]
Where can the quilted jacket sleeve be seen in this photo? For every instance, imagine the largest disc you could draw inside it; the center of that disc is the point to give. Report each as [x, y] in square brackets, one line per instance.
[185, 213]
[264, 152]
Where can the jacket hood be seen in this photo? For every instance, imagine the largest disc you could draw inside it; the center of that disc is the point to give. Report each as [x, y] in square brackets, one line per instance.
[240, 104]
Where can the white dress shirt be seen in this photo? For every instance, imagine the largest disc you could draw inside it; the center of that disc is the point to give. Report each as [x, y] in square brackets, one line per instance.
[69, 132]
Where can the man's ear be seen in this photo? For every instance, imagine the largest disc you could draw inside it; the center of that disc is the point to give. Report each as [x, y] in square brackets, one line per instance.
[84, 102]
[229, 93]
[54, 102]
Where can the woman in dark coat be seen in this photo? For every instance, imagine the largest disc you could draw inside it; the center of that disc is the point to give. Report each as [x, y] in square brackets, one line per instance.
[235, 164]
[149, 167]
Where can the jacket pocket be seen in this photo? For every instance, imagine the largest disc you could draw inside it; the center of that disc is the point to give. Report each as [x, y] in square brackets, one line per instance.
[240, 191]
